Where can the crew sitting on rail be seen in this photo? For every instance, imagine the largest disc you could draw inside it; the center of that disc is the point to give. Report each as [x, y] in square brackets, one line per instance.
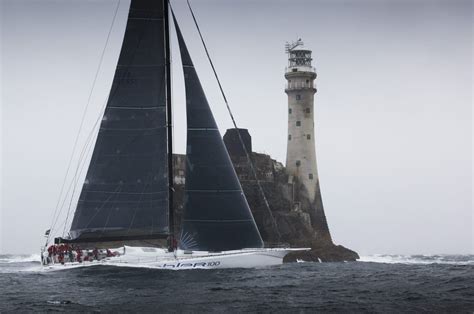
[61, 253]
[95, 253]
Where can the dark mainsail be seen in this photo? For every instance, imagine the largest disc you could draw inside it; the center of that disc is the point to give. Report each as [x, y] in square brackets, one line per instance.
[126, 192]
[216, 215]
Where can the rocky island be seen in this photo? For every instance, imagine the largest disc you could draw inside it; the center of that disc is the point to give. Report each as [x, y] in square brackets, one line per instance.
[291, 218]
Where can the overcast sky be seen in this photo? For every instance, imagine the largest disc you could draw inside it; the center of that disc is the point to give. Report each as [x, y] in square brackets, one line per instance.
[393, 112]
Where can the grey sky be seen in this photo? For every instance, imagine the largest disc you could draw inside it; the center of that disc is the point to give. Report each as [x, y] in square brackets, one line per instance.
[393, 108]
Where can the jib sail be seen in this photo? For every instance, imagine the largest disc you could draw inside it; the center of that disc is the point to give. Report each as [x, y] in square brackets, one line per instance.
[216, 214]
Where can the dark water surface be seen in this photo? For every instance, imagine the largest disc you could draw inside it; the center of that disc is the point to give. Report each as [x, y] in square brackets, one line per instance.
[408, 284]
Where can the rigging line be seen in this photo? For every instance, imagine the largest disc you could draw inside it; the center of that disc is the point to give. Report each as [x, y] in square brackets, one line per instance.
[77, 174]
[116, 191]
[85, 109]
[81, 162]
[138, 204]
[87, 147]
[249, 160]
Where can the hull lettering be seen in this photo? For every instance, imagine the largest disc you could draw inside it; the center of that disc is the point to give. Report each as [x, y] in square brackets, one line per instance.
[191, 265]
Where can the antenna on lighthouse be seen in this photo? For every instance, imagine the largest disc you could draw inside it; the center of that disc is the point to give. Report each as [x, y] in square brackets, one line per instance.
[290, 46]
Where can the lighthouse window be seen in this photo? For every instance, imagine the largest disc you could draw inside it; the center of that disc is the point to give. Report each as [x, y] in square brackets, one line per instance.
[298, 163]
[298, 123]
[289, 111]
[289, 137]
[298, 97]
[310, 176]
[308, 110]
[308, 136]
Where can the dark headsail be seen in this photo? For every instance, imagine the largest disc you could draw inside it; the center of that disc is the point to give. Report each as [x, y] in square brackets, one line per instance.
[216, 214]
[126, 192]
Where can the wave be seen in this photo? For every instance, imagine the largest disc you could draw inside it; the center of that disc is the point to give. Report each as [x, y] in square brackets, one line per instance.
[419, 259]
[375, 258]
[22, 258]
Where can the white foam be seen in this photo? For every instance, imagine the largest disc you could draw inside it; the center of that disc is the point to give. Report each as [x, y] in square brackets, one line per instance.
[419, 259]
[8, 259]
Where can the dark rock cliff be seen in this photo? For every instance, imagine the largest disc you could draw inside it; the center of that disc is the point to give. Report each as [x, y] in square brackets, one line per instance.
[292, 219]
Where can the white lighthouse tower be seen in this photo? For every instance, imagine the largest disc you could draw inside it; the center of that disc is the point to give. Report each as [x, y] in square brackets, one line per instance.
[300, 87]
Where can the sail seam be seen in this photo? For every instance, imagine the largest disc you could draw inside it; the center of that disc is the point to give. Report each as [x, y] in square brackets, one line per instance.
[132, 129]
[144, 157]
[213, 191]
[203, 129]
[138, 108]
[218, 220]
[132, 193]
[125, 202]
[137, 207]
[117, 190]
[139, 65]
[144, 18]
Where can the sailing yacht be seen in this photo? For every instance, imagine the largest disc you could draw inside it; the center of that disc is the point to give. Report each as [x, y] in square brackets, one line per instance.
[126, 200]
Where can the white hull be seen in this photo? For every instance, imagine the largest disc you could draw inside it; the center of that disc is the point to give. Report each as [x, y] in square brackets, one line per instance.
[161, 259]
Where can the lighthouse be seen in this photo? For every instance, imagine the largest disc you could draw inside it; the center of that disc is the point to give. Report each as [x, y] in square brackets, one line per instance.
[301, 151]
[301, 88]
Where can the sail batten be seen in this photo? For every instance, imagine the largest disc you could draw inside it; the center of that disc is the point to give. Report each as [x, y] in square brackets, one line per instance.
[216, 214]
[126, 191]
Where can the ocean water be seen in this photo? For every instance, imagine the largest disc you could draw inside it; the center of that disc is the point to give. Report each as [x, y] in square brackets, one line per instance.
[377, 283]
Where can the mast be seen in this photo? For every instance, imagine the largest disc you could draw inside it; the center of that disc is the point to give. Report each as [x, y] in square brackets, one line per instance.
[169, 125]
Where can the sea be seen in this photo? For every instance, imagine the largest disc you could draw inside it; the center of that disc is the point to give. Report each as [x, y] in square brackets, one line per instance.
[376, 283]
